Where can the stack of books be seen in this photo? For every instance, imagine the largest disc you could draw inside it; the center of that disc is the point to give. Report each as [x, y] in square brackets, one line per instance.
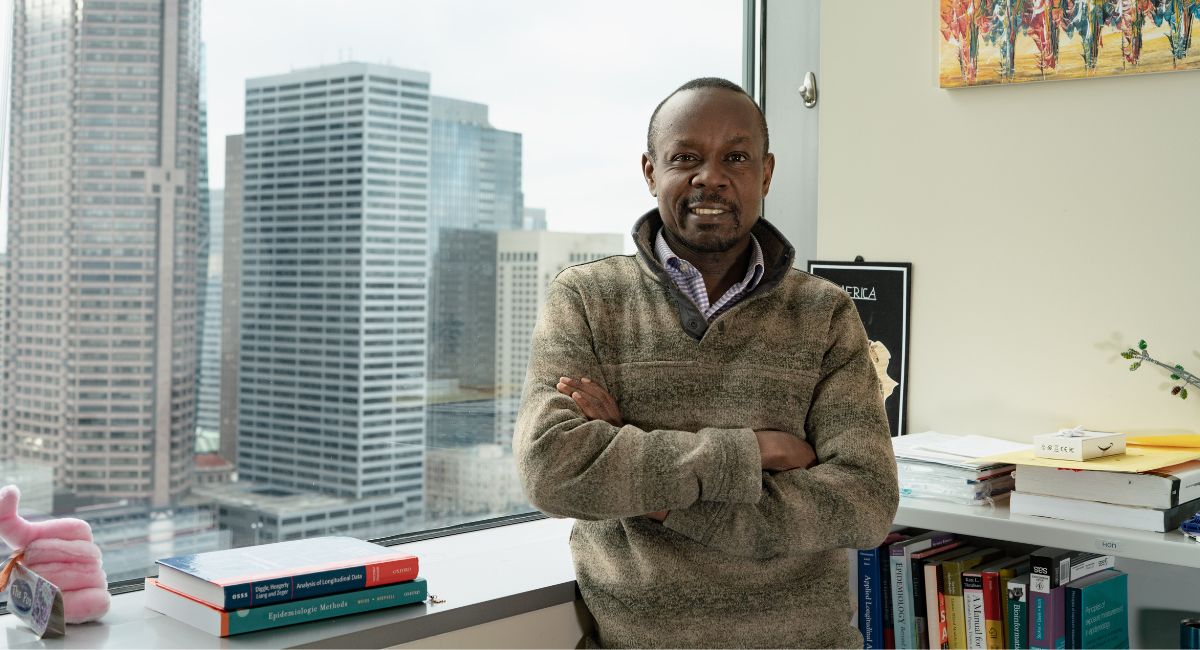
[948, 468]
[1157, 500]
[260, 587]
[937, 590]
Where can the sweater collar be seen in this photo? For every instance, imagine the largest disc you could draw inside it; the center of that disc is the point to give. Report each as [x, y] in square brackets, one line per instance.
[778, 253]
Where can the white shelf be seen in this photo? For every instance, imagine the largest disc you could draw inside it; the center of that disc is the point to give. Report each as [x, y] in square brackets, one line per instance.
[997, 523]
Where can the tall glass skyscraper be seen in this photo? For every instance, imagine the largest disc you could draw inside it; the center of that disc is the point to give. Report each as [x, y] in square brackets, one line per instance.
[475, 191]
[103, 243]
[333, 313]
[476, 171]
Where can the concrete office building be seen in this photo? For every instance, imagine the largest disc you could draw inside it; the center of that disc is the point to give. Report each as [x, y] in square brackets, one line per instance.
[527, 261]
[256, 514]
[6, 16]
[103, 239]
[333, 312]
[231, 296]
[133, 538]
[472, 483]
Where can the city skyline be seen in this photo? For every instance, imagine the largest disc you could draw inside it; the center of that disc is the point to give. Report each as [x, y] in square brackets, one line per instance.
[250, 345]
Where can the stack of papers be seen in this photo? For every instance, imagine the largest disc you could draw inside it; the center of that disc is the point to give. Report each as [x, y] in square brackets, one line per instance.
[938, 466]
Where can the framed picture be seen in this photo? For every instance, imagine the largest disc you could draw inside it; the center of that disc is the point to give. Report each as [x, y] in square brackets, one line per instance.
[985, 42]
[881, 291]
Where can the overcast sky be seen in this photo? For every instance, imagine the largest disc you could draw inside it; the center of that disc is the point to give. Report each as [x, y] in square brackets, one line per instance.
[578, 79]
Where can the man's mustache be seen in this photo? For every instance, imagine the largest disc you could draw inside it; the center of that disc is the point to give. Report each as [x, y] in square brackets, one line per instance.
[708, 199]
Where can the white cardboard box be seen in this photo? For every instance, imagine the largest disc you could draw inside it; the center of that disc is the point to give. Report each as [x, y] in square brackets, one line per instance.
[1078, 444]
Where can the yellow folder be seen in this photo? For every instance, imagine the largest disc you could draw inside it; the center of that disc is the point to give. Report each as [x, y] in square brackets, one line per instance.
[1135, 459]
[1191, 440]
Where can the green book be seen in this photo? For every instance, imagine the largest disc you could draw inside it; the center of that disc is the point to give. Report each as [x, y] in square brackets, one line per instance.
[956, 616]
[218, 622]
[1098, 610]
[1017, 619]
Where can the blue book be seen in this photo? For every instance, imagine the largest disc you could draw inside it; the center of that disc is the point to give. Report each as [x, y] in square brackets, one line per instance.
[1098, 611]
[253, 576]
[222, 623]
[873, 605]
[870, 603]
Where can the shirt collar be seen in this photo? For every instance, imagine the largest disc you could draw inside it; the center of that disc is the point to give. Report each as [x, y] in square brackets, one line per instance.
[668, 258]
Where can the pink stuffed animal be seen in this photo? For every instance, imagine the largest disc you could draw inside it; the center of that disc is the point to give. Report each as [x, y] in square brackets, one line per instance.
[61, 551]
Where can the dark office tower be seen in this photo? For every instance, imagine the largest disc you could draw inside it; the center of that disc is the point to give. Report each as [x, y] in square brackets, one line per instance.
[463, 304]
[231, 296]
[102, 240]
[333, 314]
[461, 411]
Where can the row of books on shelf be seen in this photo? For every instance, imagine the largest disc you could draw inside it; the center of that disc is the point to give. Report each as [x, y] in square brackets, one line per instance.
[261, 587]
[938, 590]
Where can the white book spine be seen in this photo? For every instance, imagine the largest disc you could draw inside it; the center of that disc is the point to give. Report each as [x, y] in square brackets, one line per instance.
[899, 604]
[1092, 565]
[932, 619]
[973, 607]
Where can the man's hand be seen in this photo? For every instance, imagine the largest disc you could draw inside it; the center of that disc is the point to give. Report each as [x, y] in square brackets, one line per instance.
[782, 451]
[594, 401]
[659, 516]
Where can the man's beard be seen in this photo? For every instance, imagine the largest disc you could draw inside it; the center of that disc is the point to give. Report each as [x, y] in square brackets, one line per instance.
[709, 244]
[719, 245]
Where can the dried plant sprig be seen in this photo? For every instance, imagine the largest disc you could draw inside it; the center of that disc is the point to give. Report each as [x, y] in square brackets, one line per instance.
[1141, 354]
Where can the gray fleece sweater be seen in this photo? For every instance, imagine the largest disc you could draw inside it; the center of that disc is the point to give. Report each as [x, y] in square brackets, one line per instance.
[745, 558]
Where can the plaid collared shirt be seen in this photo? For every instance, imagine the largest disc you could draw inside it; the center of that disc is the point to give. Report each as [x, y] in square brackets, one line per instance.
[689, 280]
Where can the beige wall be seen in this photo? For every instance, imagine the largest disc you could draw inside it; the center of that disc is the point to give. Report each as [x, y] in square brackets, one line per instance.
[1049, 226]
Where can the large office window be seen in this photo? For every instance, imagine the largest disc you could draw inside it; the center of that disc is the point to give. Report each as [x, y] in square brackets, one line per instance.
[272, 268]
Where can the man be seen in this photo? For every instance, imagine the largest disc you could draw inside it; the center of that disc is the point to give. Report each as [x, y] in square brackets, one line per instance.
[676, 398]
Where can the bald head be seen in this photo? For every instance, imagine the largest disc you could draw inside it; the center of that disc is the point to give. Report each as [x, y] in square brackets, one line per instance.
[652, 133]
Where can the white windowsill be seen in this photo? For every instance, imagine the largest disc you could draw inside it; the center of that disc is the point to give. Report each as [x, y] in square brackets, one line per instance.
[483, 576]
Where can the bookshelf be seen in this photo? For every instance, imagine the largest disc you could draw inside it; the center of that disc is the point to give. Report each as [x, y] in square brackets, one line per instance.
[1163, 568]
[996, 522]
